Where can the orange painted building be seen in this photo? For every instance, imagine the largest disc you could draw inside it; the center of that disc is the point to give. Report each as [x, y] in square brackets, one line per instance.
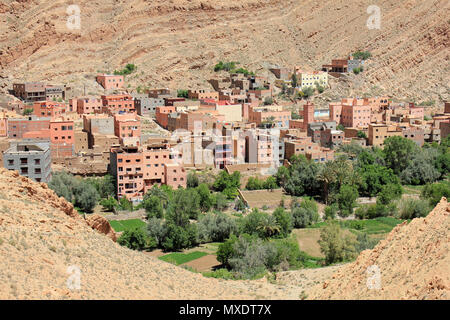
[118, 103]
[109, 81]
[162, 115]
[62, 138]
[138, 169]
[128, 128]
[49, 109]
[87, 105]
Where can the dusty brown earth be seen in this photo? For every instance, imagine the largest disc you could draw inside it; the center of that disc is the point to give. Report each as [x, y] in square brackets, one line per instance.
[176, 43]
[41, 236]
[413, 263]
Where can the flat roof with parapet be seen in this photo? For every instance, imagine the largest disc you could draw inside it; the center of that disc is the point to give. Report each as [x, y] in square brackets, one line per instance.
[22, 148]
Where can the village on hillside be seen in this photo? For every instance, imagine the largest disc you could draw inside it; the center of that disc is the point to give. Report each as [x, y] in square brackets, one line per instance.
[245, 144]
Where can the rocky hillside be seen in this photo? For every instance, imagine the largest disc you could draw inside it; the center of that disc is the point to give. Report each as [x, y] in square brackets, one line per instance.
[413, 263]
[41, 236]
[175, 43]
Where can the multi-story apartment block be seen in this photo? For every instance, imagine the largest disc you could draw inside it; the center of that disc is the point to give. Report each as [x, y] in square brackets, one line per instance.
[310, 79]
[89, 105]
[20, 126]
[265, 116]
[162, 115]
[118, 103]
[39, 91]
[351, 112]
[137, 169]
[109, 81]
[146, 105]
[331, 138]
[128, 128]
[379, 132]
[62, 138]
[203, 94]
[49, 109]
[32, 160]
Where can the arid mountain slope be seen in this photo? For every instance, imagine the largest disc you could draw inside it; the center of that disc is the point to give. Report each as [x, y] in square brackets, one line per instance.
[175, 43]
[41, 236]
[413, 263]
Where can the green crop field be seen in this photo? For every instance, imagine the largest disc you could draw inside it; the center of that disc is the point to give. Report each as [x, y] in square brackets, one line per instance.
[180, 258]
[370, 226]
[123, 225]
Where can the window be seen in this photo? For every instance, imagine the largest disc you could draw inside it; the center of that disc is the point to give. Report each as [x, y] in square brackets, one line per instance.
[10, 162]
[37, 161]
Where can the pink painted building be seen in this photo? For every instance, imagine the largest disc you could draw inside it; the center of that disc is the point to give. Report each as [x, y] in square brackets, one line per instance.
[109, 81]
[128, 128]
[49, 109]
[87, 105]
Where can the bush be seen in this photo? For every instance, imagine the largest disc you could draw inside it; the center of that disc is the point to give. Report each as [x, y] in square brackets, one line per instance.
[335, 246]
[157, 230]
[183, 93]
[362, 55]
[363, 242]
[249, 257]
[220, 201]
[284, 220]
[434, 192]
[216, 227]
[304, 213]
[125, 204]
[177, 238]
[109, 204]
[153, 207]
[268, 101]
[375, 211]
[413, 208]
[259, 224]
[134, 239]
[192, 180]
[77, 191]
[331, 212]
[28, 111]
[346, 200]
[129, 68]
[389, 192]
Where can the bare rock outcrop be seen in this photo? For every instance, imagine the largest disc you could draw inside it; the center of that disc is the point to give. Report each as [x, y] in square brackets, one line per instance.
[102, 225]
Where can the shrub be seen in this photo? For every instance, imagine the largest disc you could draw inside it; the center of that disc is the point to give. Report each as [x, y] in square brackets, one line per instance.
[182, 93]
[331, 212]
[157, 230]
[216, 227]
[413, 208]
[434, 192]
[389, 192]
[129, 68]
[304, 213]
[153, 207]
[259, 224]
[362, 55]
[109, 204]
[346, 200]
[134, 239]
[363, 242]
[284, 220]
[268, 101]
[28, 111]
[335, 246]
[376, 210]
[192, 180]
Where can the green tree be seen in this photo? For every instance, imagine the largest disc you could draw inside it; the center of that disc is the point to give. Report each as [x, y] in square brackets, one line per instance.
[413, 208]
[335, 246]
[220, 201]
[135, 239]
[109, 204]
[361, 134]
[389, 192]
[398, 153]
[304, 213]
[346, 200]
[434, 192]
[284, 220]
[374, 177]
[216, 227]
[421, 169]
[153, 207]
[294, 81]
[302, 177]
[192, 180]
[206, 198]
[86, 196]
